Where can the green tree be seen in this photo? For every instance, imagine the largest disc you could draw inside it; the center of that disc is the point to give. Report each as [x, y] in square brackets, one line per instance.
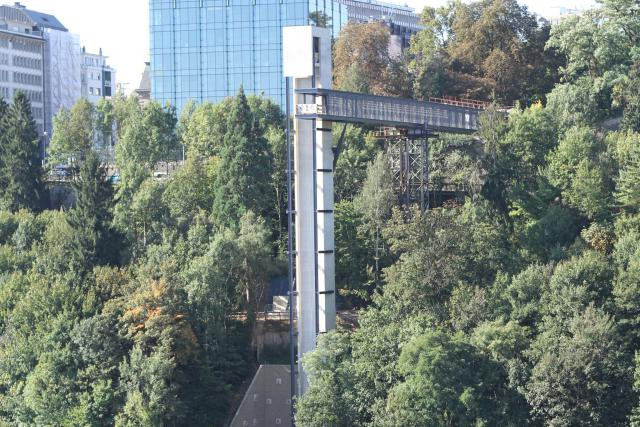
[243, 180]
[188, 190]
[353, 254]
[94, 241]
[582, 376]
[514, 151]
[448, 382]
[626, 288]
[598, 56]
[147, 136]
[320, 19]
[20, 170]
[635, 413]
[524, 292]
[3, 108]
[148, 213]
[427, 62]
[576, 284]
[375, 203]
[580, 168]
[628, 184]
[329, 372]
[496, 48]
[150, 395]
[73, 133]
[361, 58]
[202, 132]
[360, 148]
[105, 124]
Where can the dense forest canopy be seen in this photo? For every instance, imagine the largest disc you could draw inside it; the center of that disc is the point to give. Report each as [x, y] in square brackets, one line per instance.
[516, 302]
[517, 305]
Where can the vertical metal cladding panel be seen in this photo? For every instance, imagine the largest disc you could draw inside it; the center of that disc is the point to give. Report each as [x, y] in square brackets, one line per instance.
[304, 232]
[325, 232]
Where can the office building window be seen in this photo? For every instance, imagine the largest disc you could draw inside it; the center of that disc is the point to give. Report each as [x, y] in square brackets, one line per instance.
[27, 79]
[206, 51]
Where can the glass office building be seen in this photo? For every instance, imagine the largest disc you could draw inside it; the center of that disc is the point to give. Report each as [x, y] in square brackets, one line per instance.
[205, 49]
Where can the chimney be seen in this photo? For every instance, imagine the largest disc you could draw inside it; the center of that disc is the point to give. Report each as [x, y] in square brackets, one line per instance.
[19, 6]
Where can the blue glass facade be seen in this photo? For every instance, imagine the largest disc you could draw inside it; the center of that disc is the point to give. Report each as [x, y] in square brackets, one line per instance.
[205, 49]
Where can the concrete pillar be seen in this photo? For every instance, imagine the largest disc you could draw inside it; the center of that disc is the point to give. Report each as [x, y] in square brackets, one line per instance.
[305, 236]
[307, 58]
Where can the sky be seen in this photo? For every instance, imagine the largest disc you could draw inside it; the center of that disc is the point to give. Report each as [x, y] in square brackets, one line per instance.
[121, 27]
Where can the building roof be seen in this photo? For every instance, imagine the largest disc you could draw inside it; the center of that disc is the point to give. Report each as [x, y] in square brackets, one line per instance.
[45, 20]
[18, 12]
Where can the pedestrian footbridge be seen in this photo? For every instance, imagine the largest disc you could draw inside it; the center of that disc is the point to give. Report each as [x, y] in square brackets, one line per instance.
[458, 116]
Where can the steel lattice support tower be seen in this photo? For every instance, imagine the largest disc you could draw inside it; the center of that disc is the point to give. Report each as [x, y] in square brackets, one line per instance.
[409, 161]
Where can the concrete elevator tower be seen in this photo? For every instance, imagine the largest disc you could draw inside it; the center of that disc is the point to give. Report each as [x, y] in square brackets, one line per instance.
[307, 60]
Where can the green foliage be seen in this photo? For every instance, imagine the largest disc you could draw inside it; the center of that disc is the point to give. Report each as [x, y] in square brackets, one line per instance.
[446, 382]
[631, 116]
[242, 183]
[147, 135]
[598, 55]
[320, 19]
[628, 185]
[524, 292]
[635, 414]
[580, 168]
[329, 373]
[361, 57]
[151, 343]
[626, 288]
[20, 171]
[202, 128]
[437, 251]
[515, 303]
[360, 149]
[503, 341]
[94, 242]
[188, 190]
[483, 49]
[73, 133]
[582, 376]
[514, 150]
[353, 253]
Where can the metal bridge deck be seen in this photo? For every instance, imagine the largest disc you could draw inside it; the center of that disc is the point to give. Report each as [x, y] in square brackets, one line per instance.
[339, 106]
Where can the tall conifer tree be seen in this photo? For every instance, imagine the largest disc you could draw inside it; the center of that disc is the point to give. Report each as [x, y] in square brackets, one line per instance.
[20, 170]
[628, 185]
[94, 241]
[243, 180]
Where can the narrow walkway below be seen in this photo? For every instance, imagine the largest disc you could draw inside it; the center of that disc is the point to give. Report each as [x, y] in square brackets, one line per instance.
[268, 400]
